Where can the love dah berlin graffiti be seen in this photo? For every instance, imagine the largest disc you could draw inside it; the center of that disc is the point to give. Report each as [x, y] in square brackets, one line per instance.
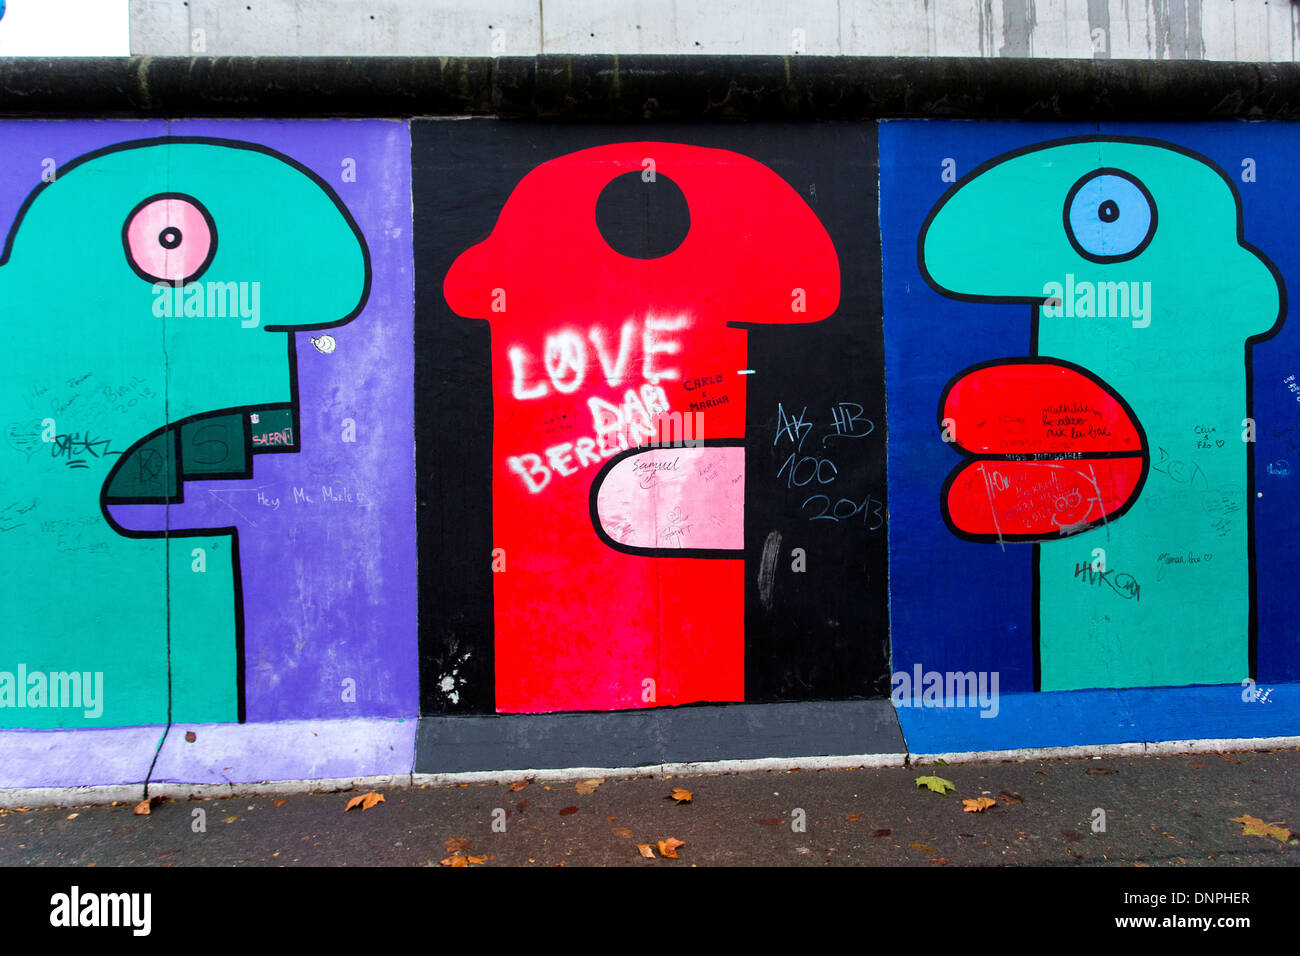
[650, 377]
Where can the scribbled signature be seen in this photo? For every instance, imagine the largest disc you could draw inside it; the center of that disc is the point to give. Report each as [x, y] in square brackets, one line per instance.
[1121, 582]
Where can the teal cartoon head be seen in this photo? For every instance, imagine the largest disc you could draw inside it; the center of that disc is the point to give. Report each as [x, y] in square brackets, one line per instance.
[1110, 216]
[1124, 431]
[150, 290]
[148, 283]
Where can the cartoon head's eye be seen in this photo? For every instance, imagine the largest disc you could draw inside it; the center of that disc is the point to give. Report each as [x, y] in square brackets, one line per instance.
[169, 238]
[1109, 216]
[642, 218]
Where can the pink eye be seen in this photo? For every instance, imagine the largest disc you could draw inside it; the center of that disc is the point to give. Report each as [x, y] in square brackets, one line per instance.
[169, 238]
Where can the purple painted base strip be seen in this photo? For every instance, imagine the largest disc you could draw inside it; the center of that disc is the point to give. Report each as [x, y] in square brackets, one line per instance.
[220, 753]
[76, 758]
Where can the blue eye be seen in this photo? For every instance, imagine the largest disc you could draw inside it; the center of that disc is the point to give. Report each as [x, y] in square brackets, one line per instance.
[1109, 216]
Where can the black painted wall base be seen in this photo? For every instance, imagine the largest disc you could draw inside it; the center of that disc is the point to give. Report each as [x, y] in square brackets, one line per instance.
[642, 738]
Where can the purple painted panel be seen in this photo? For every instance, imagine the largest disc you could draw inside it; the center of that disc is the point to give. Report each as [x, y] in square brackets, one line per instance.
[326, 536]
[329, 578]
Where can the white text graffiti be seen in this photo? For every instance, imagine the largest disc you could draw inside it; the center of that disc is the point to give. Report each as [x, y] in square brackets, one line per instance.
[570, 357]
[637, 421]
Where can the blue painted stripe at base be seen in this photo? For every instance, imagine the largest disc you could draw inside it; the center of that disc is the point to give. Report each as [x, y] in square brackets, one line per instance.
[1083, 717]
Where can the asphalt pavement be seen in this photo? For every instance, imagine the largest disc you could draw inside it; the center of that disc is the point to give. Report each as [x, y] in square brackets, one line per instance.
[1154, 811]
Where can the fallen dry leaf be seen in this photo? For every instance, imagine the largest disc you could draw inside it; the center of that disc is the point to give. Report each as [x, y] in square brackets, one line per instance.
[518, 785]
[1100, 770]
[72, 816]
[587, 787]
[143, 808]
[882, 832]
[567, 810]
[978, 805]
[771, 822]
[924, 848]
[1227, 758]
[279, 803]
[646, 852]
[1008, 797]
[1043, 773]
[669, 847]
[455, 861]
[937, 784]
[457, 845]
[230, 819]
[853, 817]
[680, 795]
[365, 801]
[1196, 765]
[1254, 826]
[1071, 836]
[941, 861]
[623, 832]
[477, 859]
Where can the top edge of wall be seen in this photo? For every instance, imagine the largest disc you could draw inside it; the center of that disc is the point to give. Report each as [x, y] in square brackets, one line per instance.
[650, 87]
[1223, 30]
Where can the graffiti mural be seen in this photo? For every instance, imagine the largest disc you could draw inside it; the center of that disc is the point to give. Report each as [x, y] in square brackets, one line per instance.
[1078, 379]
[634, 477]
[360, 446]
[1086, 446]
[150, 385]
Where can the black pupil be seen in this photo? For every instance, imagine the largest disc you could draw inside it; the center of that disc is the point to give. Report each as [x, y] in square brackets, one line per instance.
[1108, 211]
[169, 238]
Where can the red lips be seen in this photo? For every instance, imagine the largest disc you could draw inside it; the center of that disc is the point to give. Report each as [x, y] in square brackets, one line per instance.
[1053, 451]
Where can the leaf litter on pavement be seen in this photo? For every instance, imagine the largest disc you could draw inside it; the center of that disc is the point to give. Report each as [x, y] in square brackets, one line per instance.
[1254, 826]
[937, 784]
[365, 801]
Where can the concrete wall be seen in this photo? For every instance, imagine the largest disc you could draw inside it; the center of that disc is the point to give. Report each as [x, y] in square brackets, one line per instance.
[347, 448]
[1257, 30]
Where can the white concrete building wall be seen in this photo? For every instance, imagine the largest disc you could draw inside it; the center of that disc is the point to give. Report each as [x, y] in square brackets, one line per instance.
[64, 28]
[1258, 30]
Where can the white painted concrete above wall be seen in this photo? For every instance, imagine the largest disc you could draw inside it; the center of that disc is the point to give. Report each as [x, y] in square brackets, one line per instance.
[1258, 30]
[63, 28]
